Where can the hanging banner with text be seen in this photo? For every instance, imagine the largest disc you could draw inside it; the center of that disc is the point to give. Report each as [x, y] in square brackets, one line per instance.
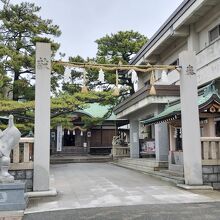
[59, 137]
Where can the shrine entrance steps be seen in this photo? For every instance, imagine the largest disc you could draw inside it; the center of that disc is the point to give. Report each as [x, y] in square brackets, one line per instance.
[61, 159]
[70, 150]
[151, 167]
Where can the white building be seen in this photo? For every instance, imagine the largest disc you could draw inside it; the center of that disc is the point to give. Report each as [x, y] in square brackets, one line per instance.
[194, 27]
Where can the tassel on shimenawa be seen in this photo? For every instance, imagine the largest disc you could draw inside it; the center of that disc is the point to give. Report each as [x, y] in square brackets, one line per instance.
[116, 91]
[84, 90]
[152, 90]
[152, 81]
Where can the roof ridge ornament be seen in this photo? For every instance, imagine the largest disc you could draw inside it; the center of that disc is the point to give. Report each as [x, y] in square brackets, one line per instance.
[210, 89]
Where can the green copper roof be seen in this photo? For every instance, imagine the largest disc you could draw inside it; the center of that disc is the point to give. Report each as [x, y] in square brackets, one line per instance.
[3, 118]
[172, 110]
[97, 110]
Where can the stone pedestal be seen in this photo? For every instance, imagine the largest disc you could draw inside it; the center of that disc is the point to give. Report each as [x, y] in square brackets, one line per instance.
[12, 196]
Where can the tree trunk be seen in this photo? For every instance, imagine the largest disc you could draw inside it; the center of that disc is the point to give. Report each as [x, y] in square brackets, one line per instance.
[15, 86]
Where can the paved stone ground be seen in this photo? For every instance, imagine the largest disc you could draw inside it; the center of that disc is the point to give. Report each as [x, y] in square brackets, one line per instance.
[93, 185]
[187, 211]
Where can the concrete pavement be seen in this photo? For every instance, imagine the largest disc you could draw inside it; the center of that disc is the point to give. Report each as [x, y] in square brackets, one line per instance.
[94, 185]
[187, 211]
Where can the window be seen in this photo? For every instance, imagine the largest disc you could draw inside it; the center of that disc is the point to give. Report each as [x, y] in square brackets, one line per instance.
[214, 33]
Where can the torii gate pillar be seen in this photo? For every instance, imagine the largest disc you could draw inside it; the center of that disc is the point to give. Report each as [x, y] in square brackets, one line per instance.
[42, 118]
[190, 120]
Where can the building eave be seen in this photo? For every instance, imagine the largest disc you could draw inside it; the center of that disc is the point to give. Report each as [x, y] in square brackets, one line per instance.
[163, 29]
[143, 93]
[176, 27]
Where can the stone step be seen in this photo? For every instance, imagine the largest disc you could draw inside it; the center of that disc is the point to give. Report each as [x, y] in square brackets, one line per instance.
[169, 178]
[172, 173]
[140, 166]
[151, 162]
[136, 167]
[157, 174]
[153, 172]
[78, 159]
[176, 168]
[71, 150]
[63, 153]
[136, 163]
[144, 162]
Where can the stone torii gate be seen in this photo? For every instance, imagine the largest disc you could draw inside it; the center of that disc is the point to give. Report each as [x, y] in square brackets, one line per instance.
[189, 110]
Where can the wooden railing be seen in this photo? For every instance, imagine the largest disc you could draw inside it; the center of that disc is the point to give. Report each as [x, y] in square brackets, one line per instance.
[210, 150]
[22, 155]
[119, 151]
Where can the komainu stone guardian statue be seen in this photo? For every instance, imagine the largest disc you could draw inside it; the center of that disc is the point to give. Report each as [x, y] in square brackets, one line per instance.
[9, 138]
[116, 140]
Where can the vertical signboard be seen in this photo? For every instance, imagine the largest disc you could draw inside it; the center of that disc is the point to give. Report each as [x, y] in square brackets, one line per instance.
[59, 137]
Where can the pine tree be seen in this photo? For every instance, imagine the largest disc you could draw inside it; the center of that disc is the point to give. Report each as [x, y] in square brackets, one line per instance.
[21, 27]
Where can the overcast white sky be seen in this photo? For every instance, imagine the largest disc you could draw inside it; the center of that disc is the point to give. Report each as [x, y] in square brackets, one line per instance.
[84, 21]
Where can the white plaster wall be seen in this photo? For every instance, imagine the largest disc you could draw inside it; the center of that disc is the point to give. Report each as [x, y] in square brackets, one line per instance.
[204, 34]
[171, 53]
[207, 23]
[142, 79]
[143, 113]
[208, 63]
[208, 59]
[173, 77]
